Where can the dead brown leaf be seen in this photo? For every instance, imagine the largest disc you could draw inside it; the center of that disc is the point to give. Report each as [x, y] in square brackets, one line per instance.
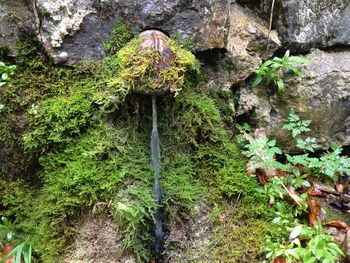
[338, 224]
[279, 260]
[315, 210]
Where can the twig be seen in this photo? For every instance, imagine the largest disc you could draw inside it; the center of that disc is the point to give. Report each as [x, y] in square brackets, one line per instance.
[291, 195]
[270, 27]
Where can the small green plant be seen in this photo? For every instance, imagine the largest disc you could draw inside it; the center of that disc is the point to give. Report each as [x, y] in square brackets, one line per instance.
[6, 72]
[297, 127]
[273, 70]
[320, 247]
[244, 128]
[261, 153]
[288, 181]
[6, 230]
[21, 251]
[332, 164]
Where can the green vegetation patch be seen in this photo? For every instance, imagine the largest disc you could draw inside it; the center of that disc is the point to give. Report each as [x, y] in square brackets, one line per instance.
[139, 69]
[78, 143]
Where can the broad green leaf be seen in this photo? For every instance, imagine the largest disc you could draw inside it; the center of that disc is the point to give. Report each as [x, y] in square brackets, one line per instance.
[277, 59]
[335, 247]
[300, 60]
[257, 81]
[280, 85]
[306, 183]
[295, 232]
[4, 76]
[268, 255]
[18, 255]
[9, 235]
[309, 260]
[328, 258]
[266, 63]
[294, 70]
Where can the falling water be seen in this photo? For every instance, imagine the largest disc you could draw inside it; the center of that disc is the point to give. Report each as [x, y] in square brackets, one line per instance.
[157, 189]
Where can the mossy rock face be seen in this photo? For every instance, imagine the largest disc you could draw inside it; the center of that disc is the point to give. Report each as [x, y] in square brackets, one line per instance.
[154, 64]
[84, 149]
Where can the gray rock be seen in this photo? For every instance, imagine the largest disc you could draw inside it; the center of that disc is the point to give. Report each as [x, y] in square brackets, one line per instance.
[189, 238]
[310, 23]
[323, 96]
[246, 48]
[97, 240]
[16, 18]
[247, 42]
[77, 26]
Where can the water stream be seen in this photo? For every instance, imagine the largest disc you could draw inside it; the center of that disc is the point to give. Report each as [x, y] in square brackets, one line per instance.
[157, 189]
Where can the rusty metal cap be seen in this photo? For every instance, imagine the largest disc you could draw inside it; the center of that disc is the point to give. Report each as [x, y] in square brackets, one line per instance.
[157, 40]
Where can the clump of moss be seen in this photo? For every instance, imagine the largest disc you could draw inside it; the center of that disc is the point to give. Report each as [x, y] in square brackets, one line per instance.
[199, 118]
[208, 154]
[55, 127]
[139, 70]
[106, 164]
[241, 241]
[182, 189]
[121, 34]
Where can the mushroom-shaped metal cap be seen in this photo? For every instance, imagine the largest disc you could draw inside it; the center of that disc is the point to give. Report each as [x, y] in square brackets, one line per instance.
[154, 64]
[154, 51]
[157, 40]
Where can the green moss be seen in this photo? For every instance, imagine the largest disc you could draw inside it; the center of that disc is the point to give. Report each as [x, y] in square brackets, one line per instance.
[241, 241]
[215, 161]
[107, 164]
[47, 106]
[199, 118]
[138, 69]
[82, 149]
[121, 34]
[182, 190]
[59, 115]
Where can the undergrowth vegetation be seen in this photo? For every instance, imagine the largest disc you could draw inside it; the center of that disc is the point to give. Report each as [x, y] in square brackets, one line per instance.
[291, 181]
